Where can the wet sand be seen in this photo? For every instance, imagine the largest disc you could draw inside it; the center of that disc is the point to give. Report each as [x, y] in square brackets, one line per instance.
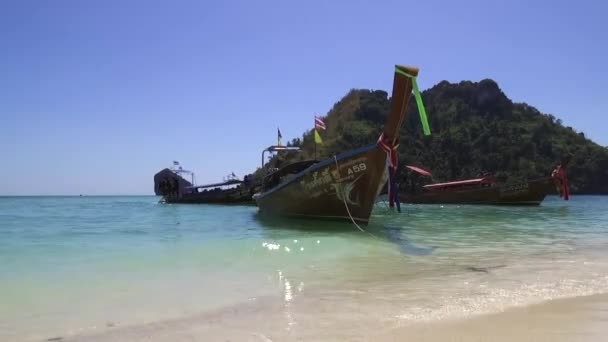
[572, 319]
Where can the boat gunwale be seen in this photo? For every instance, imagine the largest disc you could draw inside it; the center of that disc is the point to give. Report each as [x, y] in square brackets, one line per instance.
[454, 183]
[475, 181]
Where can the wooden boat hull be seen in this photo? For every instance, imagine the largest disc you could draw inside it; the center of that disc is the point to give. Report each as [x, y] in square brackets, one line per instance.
[329, 191]
[528, 193]
[175, 189]
[233, 196]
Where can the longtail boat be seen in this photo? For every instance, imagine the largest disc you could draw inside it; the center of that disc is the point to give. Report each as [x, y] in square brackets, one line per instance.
[481, 190]
[346, 186]
[171, 184]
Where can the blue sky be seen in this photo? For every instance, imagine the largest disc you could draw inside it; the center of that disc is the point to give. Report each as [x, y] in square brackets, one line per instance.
[96, 96]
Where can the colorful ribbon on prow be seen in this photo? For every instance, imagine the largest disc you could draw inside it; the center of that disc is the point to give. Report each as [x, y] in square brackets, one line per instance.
[423, 118]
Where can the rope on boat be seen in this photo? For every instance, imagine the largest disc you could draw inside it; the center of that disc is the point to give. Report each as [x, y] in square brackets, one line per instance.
[344, 199]
[346, 206]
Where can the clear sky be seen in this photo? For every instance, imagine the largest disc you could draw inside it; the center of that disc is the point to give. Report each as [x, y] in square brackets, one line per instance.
[97, 96]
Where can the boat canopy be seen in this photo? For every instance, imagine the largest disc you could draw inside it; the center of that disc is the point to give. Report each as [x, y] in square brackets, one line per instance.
[278, 148]
[178, 170]
[229, 182]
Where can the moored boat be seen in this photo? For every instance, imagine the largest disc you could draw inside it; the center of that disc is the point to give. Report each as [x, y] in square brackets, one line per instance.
[482, 190]
[344, 187]
[171, 184]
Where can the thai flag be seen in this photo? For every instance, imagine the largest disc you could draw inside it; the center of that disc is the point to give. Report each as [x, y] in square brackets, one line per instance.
[319, 124]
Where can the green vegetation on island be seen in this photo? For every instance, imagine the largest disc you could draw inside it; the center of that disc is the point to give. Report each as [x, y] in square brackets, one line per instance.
[476, 129]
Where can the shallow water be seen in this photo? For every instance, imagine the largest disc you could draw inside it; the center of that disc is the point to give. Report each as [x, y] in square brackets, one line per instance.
[79, 265]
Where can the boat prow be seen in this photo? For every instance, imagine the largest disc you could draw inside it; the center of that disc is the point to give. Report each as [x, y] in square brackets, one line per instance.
[346, 186]
[342, 188]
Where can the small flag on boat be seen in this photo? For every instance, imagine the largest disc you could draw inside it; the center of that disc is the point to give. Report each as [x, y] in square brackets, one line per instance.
[319, 124]
[318, 139]
[279, 137]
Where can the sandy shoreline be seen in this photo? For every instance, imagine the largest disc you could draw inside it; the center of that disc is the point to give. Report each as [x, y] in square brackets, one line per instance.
[571, 319]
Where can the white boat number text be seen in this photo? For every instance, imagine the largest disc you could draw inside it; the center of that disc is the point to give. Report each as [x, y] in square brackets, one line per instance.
[357, 168]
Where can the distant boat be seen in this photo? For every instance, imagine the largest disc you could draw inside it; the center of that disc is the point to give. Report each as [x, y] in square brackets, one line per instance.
[482, 190]
[172, 185]
[344, 187]
[174, 188]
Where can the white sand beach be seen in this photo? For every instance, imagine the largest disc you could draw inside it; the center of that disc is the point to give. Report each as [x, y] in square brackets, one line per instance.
[572, 319]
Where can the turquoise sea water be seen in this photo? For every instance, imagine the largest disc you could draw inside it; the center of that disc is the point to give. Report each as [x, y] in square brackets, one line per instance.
[77, 265]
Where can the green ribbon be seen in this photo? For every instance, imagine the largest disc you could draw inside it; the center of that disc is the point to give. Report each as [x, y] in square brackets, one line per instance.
[423, 118]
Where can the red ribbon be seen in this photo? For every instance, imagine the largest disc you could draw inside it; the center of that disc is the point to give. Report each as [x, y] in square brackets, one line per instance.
[561, 179]
[391, 151]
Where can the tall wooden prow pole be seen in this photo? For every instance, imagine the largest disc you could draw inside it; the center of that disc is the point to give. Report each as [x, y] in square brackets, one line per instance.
[403, 83]
[402, 89]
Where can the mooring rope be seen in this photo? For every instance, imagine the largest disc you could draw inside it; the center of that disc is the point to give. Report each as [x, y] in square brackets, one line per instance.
[344, 199]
